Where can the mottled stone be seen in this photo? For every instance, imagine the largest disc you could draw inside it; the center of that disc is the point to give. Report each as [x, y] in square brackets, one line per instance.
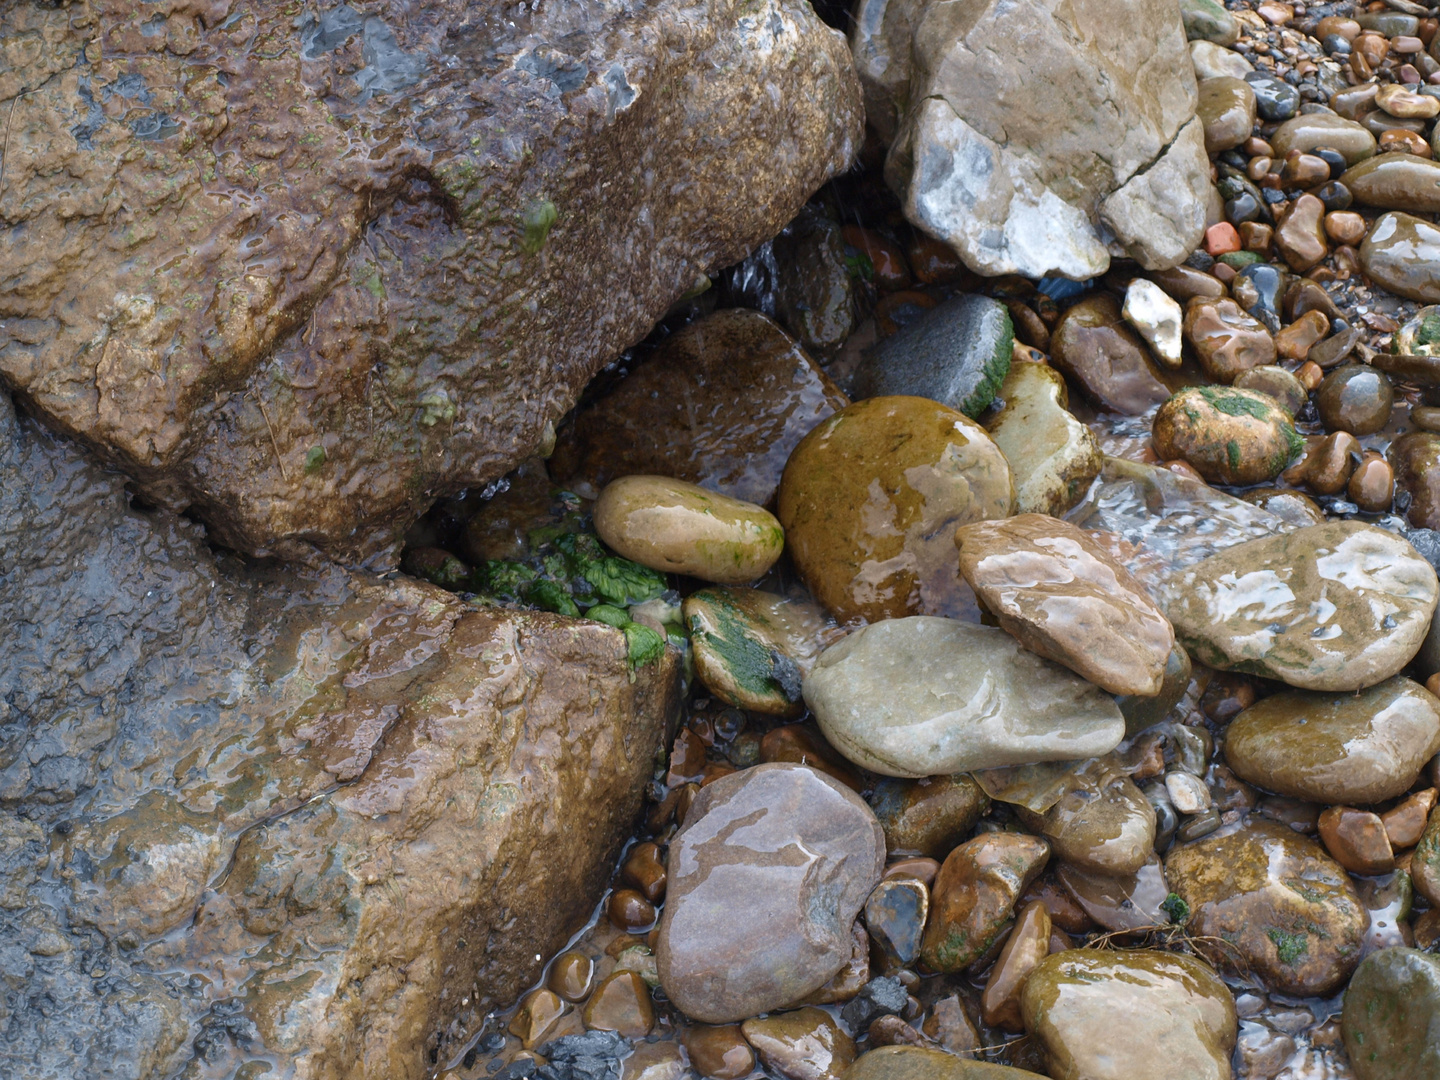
[1207, 20]
[777, 853]
[1356, 840]
[1339, 606]
[1354, 748]
[1052, 455]
[720, 1053]
[1230, 436]
[1286, 909]
[928, 816]
[957, 353]
[802, 1045]
[1402, 253]
[621, 1003]
[1277, 383]
[681, 528]
[895, 915]
[1425, 864]
[919, 696]
[1226, 339]
[1097, 349]
[1157, 317]
[870, 500]
[1392, 1011]
[1133, 1015]
[1062, 596]
[974, 895]
[722, 403]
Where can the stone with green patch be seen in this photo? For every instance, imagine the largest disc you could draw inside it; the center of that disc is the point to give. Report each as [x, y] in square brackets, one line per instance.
[957, 353]
[974, 896]
[1229, 435]
[1391, 1021]
[1207, 20]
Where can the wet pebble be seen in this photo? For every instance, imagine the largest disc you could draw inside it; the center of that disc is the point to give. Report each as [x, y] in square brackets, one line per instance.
[1052, 455]
[1230, 436]
[1226, 339]
[1093, 346]
[1355, 398]
[1392, 1010]
[1402, 253]
[928, 816]
[1157, 317]
[1275, 99]
[1300, 235]
[974, 896]
[1120, 902]
[621, 1003]
[1027, 945]
[720, 1052]
[1397, 181]
[802, 1045]
[1226, 111]
[1102, 823]
[752, 648]
[1307, 132]
[895, 916]
[1415, 459]
[922, 1063]
[571, 976]
[1356, 839]
[1277, 383]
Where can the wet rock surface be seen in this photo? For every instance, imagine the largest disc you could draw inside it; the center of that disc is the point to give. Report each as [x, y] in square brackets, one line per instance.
[1390, 1011]
[1052, 455]
[317, 328]
[271, 777]
[778, 853]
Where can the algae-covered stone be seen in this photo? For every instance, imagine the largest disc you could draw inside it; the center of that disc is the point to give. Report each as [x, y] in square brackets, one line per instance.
[1420, 336]
[974, 896]
[753, 648]
[871, 498]
[1339, 606]
[1134, 1015]
[678, 527]
[1052, 455]
[1230, 436]
[1337, 748]
[957, 353]
[1275, 904]
[1207, 20]
[1391, 1022]
[925, 696]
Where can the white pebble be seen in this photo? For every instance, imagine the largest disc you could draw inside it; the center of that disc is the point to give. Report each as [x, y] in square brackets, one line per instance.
[1151, 311]
[1188, 793]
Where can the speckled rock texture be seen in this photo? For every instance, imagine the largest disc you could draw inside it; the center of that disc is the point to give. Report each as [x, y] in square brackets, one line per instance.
[306, 817]
[304, 269]
[1048, 158]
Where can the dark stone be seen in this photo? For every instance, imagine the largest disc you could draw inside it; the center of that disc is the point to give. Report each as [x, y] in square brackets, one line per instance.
[1274, 99]
[877, 998]
[1334, 195]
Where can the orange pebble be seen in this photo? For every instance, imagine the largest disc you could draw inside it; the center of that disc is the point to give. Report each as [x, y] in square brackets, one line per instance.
[1221, 238]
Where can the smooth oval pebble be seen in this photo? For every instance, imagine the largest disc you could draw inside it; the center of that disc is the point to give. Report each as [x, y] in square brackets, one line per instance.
[922, 696]
[778, 853]
[1402, 253]
[1396, 182]
[1352, 748]
[1052, 455]
[1230, 436]
[1391, 1019]
[681, 528]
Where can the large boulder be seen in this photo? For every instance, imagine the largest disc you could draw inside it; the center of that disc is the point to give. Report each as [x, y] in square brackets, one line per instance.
[305, 268]
[319, 819]
[1043, 137]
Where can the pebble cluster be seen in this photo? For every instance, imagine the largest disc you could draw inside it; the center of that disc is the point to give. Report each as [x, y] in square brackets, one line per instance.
[1030, 735]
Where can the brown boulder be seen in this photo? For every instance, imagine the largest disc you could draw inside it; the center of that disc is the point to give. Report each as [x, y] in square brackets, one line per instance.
[353, 803]
[304, 275]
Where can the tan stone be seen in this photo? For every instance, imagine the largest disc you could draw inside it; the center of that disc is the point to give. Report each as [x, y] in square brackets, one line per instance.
[974, 895]
[802, 1045]
[1027, 945]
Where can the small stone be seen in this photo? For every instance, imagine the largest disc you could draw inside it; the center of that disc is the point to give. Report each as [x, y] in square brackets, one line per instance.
[814, 289]
[871, 497]
[1102, 822]
[719, 1052]
[1300, 236]
[1400, 141]
[1287, 910]
[932, 261]
[621, 1003]
[1402, 254]
[1257, 237]
[1062, 596]
[1359, 748]
[629, 911]
[975, 894]
[916, 696]
[753, 648]
[895, 915]
[950, 1026]
[1345, 227]
[1258, 607]
[1053, 457]
[1327, 467]
[652, 1061]
[1185, 283]
[803, 745]
[886, 258]
[778, 831]
[1027, 945]
[1295, 341]
[1356, 840]
[1093, 345]
[1392, 1011]
[1355, 398]
[1372, 484]
[1303, 170]
[1425, 862]
[1207, 20]
[1226, 109]
[1130, 1015]
[1120, 902]
[537, 1014]
[920, 867]
[1210, 61]
[1221, 238]
[1157, 317]
[1415, 457]
[1398, 100]
[571, 976]
[1275, 99]
[1227, 340]
[1277, 383]
[678, 527]
[1405, 822]
[1230, 436]
[928, 816]
[1420, 335]
[645, 872]
[957, 353]
[879, 997]
[802, 1045]
[1188, 793]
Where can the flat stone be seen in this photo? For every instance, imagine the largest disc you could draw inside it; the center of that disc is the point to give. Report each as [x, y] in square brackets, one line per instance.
[1131, 1015]
[1227, 340]
[1340, 606]
[1286, 909]
[1095, 131]
[802, 1045]
[922, 1063]
[1354, 748]
[974, 896]
[1053, 457]
[1396, 181]
[1402, 253]
[957, 353]
[921, 696]
[1095, 347]
[1062, 596]
[1392, 1010]
[1211, 61]
[1227, 110]
[1120, 902]
[928, 816]
[1229, 436]
[722, 403]
[871, 498]
[1313, 130]
[778, 853]
[346, 377]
